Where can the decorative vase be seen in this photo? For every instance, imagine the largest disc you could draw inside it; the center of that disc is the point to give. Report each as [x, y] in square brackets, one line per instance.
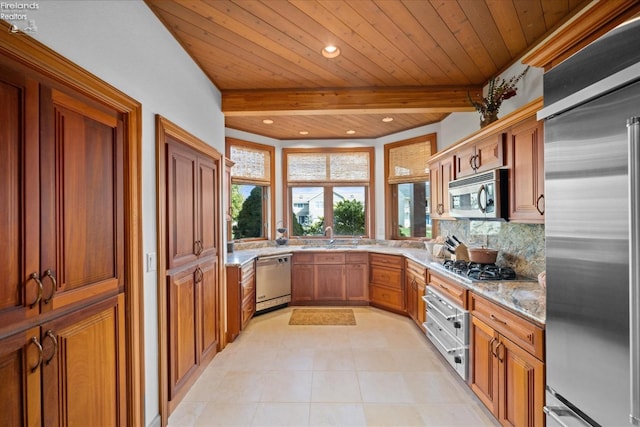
[488, 118]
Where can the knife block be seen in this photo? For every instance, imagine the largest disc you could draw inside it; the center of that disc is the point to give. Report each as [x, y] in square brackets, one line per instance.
[462, 254]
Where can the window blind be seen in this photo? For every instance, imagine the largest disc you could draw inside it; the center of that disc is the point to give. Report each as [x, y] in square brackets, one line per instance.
[328, 167]
[251, 164]
[408, 163]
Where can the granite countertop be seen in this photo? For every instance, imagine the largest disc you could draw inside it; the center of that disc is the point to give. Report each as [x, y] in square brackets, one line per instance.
[525, 297]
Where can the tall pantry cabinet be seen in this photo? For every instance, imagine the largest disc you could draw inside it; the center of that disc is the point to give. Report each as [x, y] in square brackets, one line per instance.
[62, 281]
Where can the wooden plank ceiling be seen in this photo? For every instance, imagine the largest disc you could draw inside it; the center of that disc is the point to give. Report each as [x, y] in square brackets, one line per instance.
[409, 60]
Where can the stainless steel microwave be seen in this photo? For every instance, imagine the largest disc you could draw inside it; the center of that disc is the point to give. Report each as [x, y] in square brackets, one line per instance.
[480, 196]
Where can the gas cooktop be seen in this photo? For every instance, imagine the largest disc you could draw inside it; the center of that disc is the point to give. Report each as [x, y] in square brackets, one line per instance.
[470, 271]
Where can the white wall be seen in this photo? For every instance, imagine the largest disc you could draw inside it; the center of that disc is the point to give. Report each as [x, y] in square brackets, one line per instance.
[124, 44]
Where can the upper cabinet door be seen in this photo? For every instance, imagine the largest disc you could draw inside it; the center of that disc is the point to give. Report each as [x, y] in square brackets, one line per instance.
[81, 196]
[526, 164]
[182, 171]
[20, 275]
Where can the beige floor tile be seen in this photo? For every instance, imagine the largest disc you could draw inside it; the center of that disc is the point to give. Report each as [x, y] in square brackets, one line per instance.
[374, 359]
[286, 386]
[330, 359]
[399, 415]
[337, 415]
[281, 415]
[186, 414]
[384, 387]
[226, 414]
[454, 415]
[335, 386]
[381, 372]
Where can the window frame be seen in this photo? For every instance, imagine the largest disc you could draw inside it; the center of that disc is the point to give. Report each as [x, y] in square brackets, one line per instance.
[269, 206]
[391, 188]
[328, 187]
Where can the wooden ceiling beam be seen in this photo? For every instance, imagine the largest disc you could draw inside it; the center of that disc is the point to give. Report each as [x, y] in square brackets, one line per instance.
[443, 99]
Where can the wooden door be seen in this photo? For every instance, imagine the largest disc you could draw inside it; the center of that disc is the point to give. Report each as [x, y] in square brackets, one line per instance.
[20, 370]
[521, 386]
[526, 164]
[483, 377]
[357, 282]
[182, 169]
[183, 340]
[83, 370]
[82, 205]
[208, 290]
[302, 282]
[208, 216]
[20, 275]
[329, 283]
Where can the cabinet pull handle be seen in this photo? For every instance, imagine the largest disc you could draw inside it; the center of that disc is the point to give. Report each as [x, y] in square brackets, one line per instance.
[494, 318]
[52, 337]
[35, 277]
[472, 162]
[491, 348]
[500, 355]
[198, 275]
[54, 285]
[34, 341]
[197, 247]
[476, 161]
[540, 198]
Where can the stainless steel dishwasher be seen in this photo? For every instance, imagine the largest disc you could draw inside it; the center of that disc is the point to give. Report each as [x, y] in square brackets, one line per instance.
[273, 282]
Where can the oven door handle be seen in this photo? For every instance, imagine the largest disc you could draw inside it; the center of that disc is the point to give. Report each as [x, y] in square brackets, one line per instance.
[437, 310]
[444, 347]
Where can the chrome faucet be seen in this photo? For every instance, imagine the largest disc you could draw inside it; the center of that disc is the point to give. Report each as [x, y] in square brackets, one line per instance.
[330, 231]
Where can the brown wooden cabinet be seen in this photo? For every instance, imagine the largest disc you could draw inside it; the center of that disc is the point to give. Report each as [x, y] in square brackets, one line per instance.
[67, 371]
[357, 276]
[441, 172]
[481, 156]
[192, 277]
[329, 277]
[507, 368]
[415, 284]
[386, 281]
[302, 278]
[63, 279]
[241, 297]
[449, 288]
[525, 159]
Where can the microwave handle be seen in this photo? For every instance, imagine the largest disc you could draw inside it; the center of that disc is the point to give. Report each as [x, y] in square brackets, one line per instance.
[482, 189]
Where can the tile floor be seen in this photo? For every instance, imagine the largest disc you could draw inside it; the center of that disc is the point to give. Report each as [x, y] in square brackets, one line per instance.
[382, 372]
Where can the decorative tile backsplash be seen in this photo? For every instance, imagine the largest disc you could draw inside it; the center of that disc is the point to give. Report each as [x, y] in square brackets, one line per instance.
[520, 246]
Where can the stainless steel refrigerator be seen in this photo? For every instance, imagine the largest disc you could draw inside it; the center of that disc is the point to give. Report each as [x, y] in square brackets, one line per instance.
[592, 128]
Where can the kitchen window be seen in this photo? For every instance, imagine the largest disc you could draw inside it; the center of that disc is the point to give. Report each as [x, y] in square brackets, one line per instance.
[252, 205]
[408, 189]
[329, 187]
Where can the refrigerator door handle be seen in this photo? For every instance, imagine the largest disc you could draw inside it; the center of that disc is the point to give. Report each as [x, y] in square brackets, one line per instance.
[560, 412]
[633, 129]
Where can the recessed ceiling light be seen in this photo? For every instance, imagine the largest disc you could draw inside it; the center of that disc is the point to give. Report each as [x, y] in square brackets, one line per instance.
[330, 51]
[387, 119]
[304, 132]
[267, 121]
[351, 132]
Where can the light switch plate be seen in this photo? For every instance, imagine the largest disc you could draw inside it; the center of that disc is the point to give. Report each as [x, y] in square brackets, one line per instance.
[151, 262]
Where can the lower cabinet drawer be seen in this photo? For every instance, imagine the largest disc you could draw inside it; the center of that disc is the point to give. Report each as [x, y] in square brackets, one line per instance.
[386, 276]
[391, 298]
